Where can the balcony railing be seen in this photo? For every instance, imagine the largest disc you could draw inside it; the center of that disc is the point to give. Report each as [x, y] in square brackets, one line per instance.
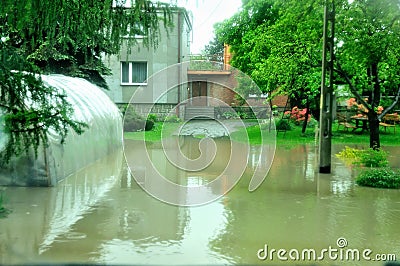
[208, 62]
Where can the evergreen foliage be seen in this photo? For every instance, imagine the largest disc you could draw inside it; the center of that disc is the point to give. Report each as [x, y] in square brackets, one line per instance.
[71, 36]
[67, 37]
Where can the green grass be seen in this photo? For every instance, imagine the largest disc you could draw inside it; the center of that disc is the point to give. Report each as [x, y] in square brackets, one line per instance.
[160, 130]
[294, 136]
[290, 137]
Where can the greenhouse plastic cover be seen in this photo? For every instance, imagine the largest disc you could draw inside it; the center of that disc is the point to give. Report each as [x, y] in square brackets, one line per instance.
[57, 161]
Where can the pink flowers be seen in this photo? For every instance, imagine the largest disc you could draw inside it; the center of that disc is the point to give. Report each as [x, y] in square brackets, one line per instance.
[297, 114]
[352, 104]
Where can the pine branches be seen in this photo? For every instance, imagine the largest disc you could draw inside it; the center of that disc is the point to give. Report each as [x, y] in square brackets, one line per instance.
[28, 108]
[69, 36]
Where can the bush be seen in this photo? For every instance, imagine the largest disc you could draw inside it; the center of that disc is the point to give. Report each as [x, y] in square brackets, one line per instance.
[312, 123]
[283, 124]
[230, 115]
[132, 125]
[153, 118]
[379, 178]
[172, 118]
[374, 158]
[135, 122]
[149, 125]
[368, 158]
[1, 202]
[3, 210]
[349, 153]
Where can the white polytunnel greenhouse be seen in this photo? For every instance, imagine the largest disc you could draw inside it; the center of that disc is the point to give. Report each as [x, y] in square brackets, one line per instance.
[103, 137]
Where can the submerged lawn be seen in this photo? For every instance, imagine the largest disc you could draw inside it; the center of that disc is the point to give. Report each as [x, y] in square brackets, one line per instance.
[294, 136]
[290, 137]
[159, 131]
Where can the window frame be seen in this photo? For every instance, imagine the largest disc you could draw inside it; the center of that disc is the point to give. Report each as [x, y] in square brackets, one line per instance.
[130, 68]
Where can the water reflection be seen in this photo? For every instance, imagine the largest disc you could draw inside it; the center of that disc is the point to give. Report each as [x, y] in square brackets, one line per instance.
[187, 171]
[41, 216]
[102, 216]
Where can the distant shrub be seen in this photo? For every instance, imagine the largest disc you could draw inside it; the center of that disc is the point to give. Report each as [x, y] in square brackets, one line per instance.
[172, 118]
[230, 115]
[135, 122]
[368, 158]
[349, 153]
[3, 210]
[312, 123]
[153, 118]
[149, 125]
[374, 158]
[132, 125]
[283, 124]
[379, 178]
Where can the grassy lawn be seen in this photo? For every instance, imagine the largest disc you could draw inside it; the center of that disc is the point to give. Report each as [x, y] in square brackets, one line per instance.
[294, 136]
[290, 137]
[159, 131]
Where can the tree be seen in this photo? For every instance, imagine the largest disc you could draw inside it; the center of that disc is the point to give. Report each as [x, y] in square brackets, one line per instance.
[279, 53]
[214, 49]
[283, 52]
[240, 32]
[67, 37]
[294, 64]
[27, 119]
[367, 55]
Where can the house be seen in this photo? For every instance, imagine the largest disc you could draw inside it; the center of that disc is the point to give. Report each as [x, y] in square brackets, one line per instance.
[168, 79]
[133, 67]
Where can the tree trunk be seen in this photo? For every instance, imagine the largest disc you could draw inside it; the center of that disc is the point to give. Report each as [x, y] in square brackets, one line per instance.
[374, 140]
[373, 120]
[303, 129]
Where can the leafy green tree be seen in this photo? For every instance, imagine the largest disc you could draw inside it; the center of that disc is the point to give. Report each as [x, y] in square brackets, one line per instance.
[214, 49]
[294, 64]
[241, 31]
[282, 53]
[66, 37]
[367, 54]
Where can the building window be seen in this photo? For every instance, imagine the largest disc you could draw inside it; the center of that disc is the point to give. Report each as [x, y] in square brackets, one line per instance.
[133, 73]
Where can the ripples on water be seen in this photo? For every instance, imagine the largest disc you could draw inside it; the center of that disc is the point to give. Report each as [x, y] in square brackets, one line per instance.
[101, 215]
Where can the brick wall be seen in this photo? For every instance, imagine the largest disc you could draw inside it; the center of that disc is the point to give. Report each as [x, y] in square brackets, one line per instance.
[221, 93]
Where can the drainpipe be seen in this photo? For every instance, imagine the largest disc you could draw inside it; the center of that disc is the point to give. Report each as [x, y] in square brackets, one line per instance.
[179, 61]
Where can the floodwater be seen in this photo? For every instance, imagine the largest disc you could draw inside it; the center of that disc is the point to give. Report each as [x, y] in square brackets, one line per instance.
[101, 215]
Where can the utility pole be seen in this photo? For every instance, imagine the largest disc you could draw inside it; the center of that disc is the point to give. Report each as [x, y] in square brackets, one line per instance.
[325, 129]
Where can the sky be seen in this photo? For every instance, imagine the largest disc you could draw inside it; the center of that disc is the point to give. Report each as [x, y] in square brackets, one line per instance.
[205, 14]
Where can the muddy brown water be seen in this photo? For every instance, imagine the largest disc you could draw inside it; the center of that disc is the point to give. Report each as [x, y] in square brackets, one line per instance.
[100, 215]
